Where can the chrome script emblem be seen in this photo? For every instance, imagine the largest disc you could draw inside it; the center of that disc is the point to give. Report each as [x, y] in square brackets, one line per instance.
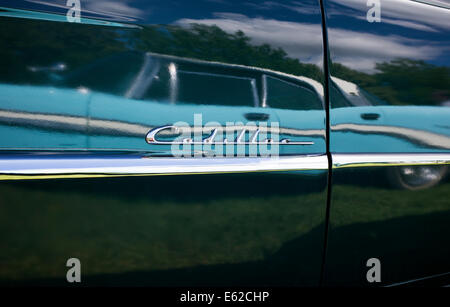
[152, 137]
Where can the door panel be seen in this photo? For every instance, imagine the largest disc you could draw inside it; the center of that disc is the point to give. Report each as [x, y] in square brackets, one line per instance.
[229, 97]
[389, 139]
[235, 229]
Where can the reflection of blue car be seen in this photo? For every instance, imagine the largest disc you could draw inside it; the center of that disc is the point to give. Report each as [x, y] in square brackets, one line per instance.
[97, 121]
[391, 129]
[164, 91]
[363, 123]
[81, 119]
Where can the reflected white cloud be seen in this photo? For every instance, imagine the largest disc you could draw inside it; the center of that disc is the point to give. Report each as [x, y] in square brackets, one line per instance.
[400, 12]
[405, 24]
[361, 51]
[397, 12]
[282, 34]
[299, 7]
[120, 8]
[354, 49]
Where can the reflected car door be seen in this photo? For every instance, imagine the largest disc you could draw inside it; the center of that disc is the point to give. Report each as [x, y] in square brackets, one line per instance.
[389, 141]
[82, 99]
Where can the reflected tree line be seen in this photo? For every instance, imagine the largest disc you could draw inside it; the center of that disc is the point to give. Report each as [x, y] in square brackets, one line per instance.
[42, 43]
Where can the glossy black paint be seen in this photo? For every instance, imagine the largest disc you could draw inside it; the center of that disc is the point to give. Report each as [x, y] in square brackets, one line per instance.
[389, 93]
[168, 230]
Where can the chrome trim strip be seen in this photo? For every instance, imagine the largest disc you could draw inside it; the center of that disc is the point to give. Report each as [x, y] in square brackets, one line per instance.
[438, 3]
[29, 14]
[417, 279]
[80, 166]
[40, 166]
[388, 159]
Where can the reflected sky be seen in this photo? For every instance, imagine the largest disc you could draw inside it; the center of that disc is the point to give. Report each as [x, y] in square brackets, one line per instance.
[408, 29]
